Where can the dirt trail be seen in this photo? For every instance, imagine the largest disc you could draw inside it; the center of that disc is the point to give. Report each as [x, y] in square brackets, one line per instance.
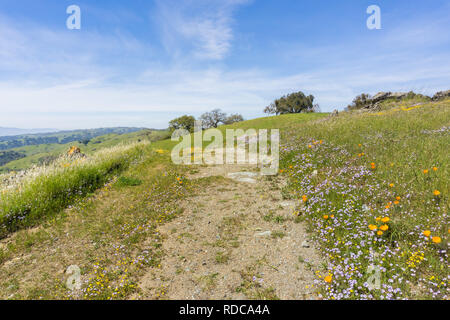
[236, 239]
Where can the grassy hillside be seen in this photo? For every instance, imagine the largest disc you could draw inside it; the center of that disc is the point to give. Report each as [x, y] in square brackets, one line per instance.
[374, 190]
[44, 153]
[372, 187]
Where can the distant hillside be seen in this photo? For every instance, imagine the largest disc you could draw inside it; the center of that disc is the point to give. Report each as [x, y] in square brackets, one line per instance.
[60, 137]
[24, 157]
[16, 131]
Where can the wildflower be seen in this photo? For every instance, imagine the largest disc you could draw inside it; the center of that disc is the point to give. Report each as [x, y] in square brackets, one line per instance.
[360, 145]
[427, 233]
[385, 219]
[384, 227]
[397, 198]
[436, 239]
[378, 218]
[325, 217]
[304, 198]
[328, 279]
[380, 233]
[435, 169]
[396, 202]
[436, 193]
[391, 185]
[425, 171]
[373, 227]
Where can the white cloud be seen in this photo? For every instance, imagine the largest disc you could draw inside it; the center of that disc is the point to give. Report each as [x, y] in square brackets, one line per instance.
[206, 26]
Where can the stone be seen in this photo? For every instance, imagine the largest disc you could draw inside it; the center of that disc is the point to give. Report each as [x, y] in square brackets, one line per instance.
[263, 234]
[305, 244]
[75, 152]
[247, 177]
[380, 96]
[441, 95]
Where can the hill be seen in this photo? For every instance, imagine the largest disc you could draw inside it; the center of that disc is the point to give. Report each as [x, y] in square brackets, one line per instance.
[369, 187]
[16, 131]
[36, 153]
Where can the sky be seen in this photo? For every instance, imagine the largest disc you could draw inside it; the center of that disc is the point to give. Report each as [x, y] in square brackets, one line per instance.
[141, 63]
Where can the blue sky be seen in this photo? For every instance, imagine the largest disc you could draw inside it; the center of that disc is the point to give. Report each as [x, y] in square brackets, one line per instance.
[142, 62]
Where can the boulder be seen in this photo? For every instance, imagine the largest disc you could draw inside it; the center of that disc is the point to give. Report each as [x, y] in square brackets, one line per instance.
[398, 95]
[380, 96]
[441, 95]
[75, 152]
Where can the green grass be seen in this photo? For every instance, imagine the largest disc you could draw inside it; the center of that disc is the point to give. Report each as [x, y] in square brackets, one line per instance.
[401, 142]
[37, 154]
[53, 190]
[344, 197]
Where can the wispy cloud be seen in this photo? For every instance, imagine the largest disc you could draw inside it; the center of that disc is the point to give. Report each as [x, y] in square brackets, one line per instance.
[205, 26]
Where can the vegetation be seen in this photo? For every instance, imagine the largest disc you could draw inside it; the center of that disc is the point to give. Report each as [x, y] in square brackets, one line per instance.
[213, 119]
[46, 190]
[296, 102]
[8, 156]
[44, 154]
[184, 122]
[62, 137]
[209, 120]
[374, 190]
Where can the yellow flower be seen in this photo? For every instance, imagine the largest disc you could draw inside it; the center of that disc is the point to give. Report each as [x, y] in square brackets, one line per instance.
[304, 198]
[427, 233]
[391, 185]
[397, 198]
[436, 239]
[328, 279]
[436, 192]
[384, 227]
[325, 217]
[380, 233]
[425, 171]
[373, 227]
[435, 169]
[385, 219]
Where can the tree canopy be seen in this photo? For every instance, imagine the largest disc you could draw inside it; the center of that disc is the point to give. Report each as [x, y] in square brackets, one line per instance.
[184, 122]
[213, 119]
[292, 103]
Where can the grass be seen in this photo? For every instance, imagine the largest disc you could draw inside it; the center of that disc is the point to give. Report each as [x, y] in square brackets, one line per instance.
[37, 154]
[112, 235]
[51, 189]
[350, 174]
[386, 166]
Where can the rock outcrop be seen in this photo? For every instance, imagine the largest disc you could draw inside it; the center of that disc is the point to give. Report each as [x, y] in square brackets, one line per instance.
[75, 152]
[441, 95]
